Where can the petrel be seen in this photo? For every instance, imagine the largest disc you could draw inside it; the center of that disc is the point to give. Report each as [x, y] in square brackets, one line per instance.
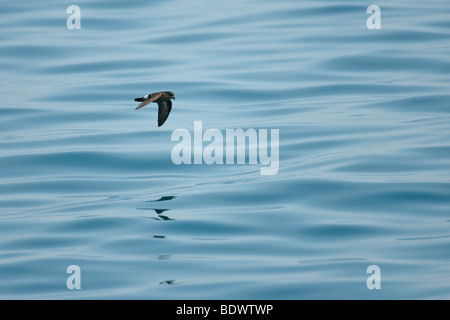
[164, 104]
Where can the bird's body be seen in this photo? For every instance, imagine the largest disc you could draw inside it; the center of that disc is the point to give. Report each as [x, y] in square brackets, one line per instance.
[164, 104]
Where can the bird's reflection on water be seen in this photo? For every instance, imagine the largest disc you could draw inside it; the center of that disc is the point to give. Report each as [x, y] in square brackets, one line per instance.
[159, 211]
[165, 198]
[161, 215]
[168, 282]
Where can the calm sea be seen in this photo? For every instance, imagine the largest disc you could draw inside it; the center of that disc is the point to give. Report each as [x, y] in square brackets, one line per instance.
[364, 145]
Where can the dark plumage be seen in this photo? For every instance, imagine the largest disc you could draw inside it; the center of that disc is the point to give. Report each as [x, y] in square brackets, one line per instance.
[164, 104]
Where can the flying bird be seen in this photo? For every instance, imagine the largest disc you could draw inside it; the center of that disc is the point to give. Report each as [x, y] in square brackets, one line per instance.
[164, 104]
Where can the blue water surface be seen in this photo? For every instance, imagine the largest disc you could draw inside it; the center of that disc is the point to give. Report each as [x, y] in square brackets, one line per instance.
[364, 142]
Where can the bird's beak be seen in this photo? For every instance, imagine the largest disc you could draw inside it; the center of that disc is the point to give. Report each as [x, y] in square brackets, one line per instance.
[174, 98]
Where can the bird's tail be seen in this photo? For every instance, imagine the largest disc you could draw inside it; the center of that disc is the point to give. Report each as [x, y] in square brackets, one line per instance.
[139, 99]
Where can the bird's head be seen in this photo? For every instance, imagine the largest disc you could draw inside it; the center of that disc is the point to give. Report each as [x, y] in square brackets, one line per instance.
[171, 95]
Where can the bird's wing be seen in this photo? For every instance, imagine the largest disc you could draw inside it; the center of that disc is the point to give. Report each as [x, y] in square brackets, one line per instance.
[163, 111]
[152, 97]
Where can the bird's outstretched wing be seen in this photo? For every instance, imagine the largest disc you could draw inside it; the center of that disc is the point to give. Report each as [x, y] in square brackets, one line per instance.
[147, 99]
[164, 108]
